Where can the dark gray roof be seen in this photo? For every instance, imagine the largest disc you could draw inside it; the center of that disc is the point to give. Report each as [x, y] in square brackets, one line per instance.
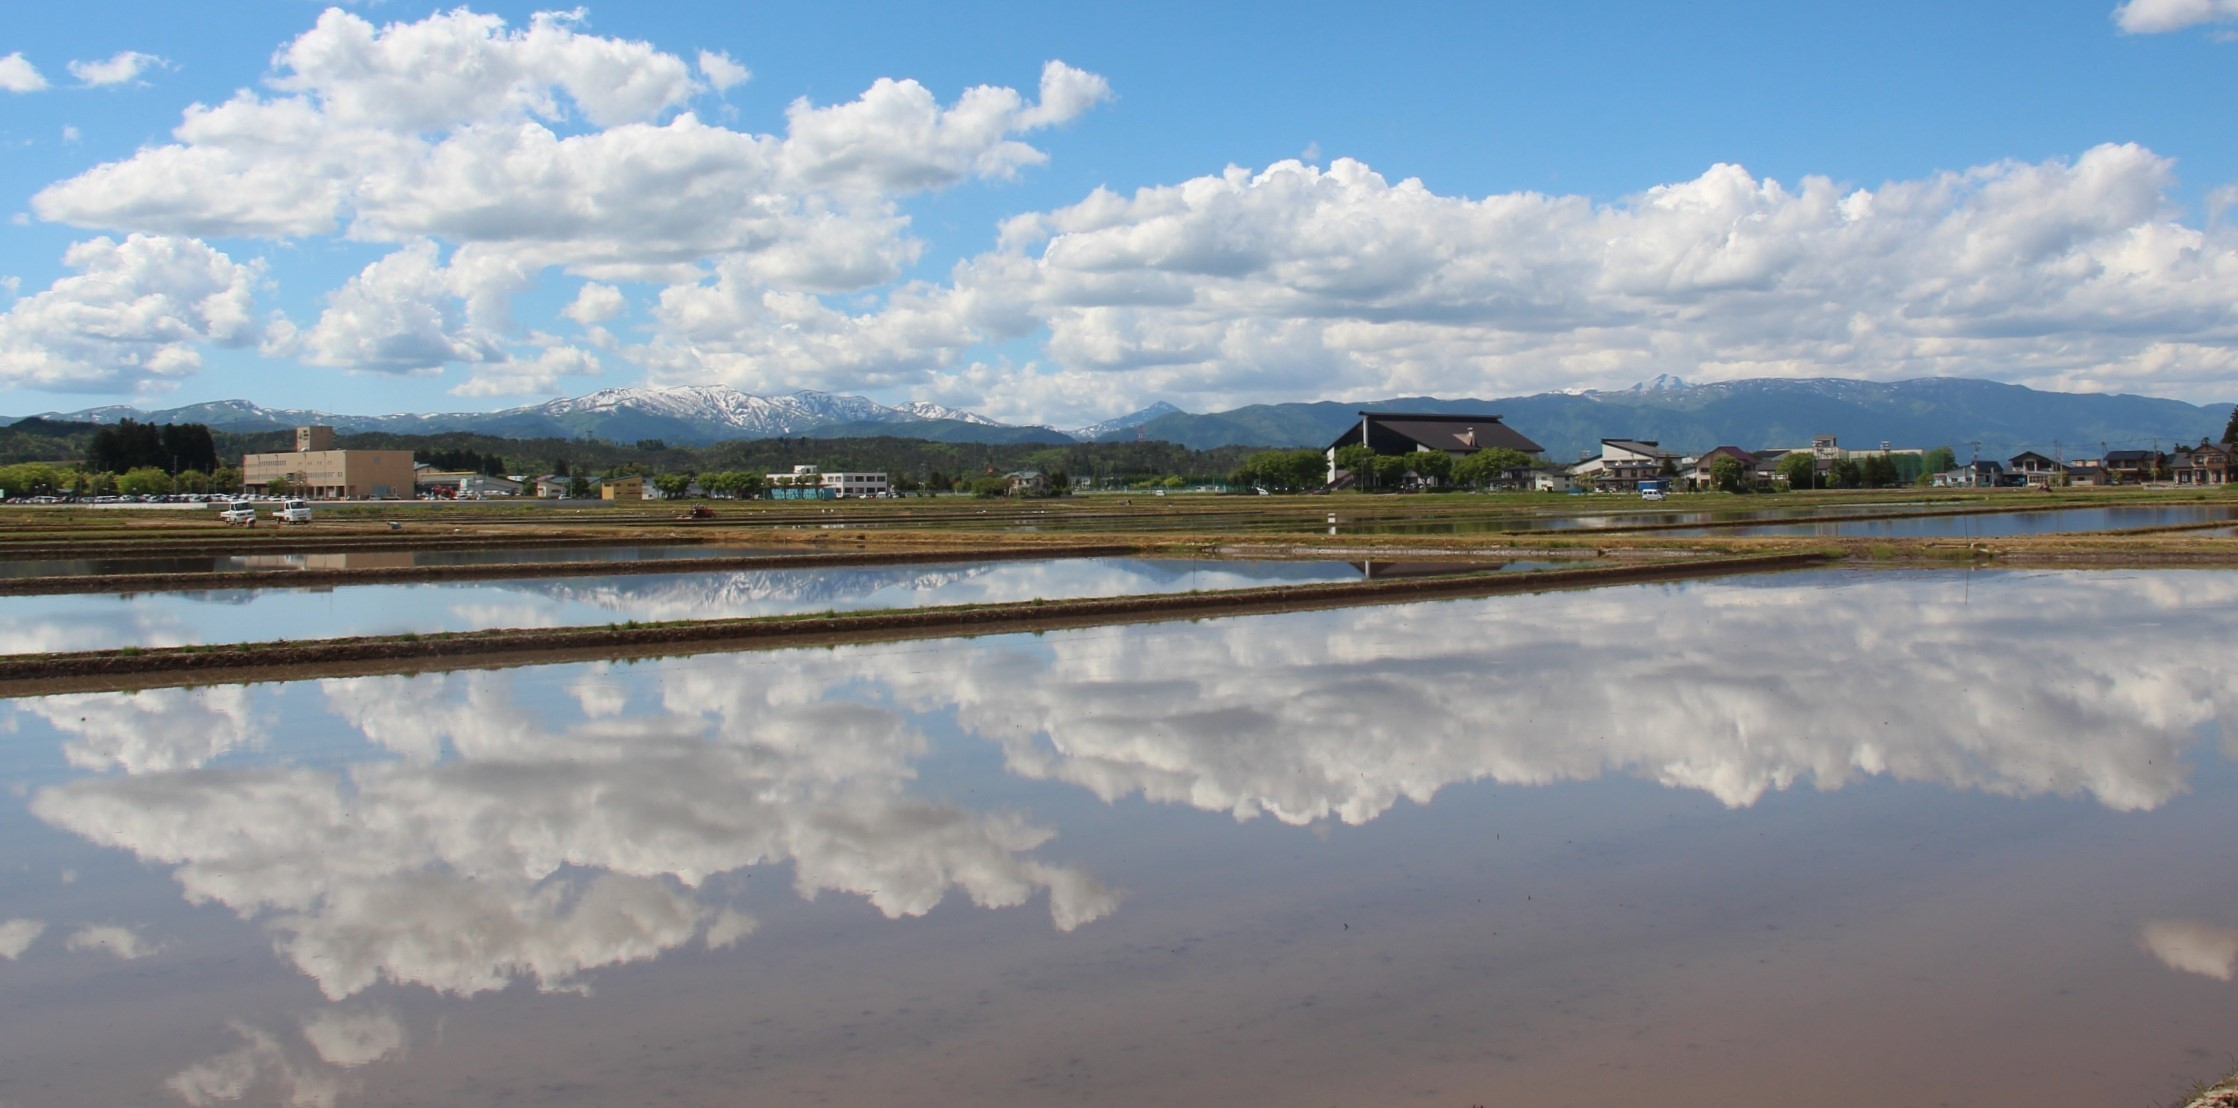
[1443, 431]
[1640, 446]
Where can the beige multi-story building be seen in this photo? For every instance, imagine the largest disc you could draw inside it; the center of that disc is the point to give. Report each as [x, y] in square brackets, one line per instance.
[315, 469]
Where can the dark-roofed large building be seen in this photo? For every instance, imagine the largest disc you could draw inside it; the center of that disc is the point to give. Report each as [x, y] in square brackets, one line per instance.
[1398, 433]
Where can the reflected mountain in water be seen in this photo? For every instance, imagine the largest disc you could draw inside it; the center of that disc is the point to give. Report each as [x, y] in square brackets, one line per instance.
[746, 592]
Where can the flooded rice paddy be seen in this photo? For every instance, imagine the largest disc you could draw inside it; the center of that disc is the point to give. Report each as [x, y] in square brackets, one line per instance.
[373, 559]
[1989, 525]
[1851, 838]
[1909, 519]
[98, 621]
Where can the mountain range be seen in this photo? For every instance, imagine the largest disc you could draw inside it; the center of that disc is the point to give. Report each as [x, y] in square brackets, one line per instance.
[1938, 411]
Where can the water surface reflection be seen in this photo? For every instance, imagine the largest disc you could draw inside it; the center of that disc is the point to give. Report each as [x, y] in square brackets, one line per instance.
[94, 621]
[1817, 829]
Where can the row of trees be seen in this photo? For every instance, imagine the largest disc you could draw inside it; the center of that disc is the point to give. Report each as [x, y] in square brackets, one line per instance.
[1483, 469]
[173, 448]
[48, 479]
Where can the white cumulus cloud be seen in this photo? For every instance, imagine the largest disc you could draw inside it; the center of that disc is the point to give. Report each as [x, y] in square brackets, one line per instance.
[1256, 286]
[2152, 17]
[721, 70]
[134, 316]
[528, 148]
[122, 68]
[18, 75]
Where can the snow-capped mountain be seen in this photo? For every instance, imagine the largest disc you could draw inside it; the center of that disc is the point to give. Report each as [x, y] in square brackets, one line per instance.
[926, 409]
[1128, 422]
[681, 414]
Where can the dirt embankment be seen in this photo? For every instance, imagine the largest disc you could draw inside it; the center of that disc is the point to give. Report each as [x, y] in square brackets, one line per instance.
[34, 674]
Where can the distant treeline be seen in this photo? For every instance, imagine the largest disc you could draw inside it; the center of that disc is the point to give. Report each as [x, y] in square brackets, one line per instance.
[461, 460]
[908, 460]
[128, 446]
[174, 448]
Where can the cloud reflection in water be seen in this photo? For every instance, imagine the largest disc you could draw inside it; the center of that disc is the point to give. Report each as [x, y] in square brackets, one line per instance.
[489, 844]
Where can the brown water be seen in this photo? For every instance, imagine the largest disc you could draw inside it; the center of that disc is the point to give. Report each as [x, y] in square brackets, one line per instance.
[1832, 838]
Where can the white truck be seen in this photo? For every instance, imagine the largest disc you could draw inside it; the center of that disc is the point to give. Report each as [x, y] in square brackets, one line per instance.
[292, 511]
[238, 514]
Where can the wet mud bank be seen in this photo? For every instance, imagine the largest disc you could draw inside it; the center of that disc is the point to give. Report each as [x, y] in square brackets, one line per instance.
[26, 675]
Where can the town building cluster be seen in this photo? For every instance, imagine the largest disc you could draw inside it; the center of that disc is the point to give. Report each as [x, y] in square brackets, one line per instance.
[1629, 465]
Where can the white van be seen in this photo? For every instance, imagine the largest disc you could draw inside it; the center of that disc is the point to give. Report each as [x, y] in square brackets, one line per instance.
[292, 511]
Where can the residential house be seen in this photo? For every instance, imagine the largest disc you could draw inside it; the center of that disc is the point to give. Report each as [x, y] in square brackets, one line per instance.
[1972, 475]
[1698, 473]
[2031, 468]
[1398, 433]
[622, 488]
[1766, 471]
[2205, 464]
[1622, 464]
[1025, 482]
[2134, 467]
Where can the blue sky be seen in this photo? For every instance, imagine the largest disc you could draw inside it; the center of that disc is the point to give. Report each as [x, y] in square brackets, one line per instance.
[411, 207]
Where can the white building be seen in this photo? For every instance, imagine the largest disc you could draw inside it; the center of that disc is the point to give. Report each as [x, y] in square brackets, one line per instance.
[844, 485]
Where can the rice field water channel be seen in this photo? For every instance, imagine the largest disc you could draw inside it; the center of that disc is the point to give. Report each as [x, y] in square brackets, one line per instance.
[1712, 839]
[95, 621]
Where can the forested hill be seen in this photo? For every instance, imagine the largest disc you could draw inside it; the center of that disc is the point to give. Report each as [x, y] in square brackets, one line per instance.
[2004, 419]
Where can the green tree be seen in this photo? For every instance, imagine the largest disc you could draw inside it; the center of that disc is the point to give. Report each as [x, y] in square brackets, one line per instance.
[1359, 461]
[2230, 430]
[1878, 472]
[144, 481]
[673, 485]
[1434, 465]
[1800, 469]
[279, 486]
[1846, 474]
[1487, 467]
[1284, 470]
[1941, 459]
[1389, 469]
[225, 479]
[33, 479]
[578, 486]
[987, 486]
[1727, 473]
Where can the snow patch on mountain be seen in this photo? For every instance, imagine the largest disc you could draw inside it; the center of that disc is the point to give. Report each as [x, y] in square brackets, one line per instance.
[1127, 422]
[717, 411]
